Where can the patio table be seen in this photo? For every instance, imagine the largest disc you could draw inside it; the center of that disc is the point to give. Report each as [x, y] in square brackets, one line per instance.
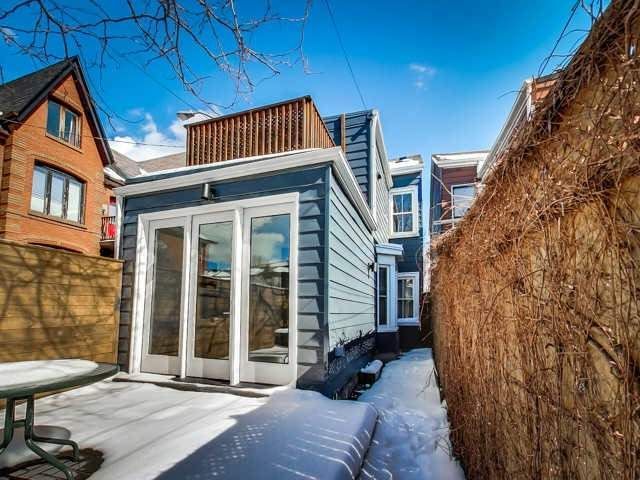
[24, 380]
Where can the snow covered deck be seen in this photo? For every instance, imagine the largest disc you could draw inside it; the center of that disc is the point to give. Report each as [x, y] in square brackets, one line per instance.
[146, 431]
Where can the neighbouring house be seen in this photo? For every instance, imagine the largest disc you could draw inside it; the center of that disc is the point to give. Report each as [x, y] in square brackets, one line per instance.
[457, 177]
[454, 184]
[533, 90]
[53, 154]
[268, 258]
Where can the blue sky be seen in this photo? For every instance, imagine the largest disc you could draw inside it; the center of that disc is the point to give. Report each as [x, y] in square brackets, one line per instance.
[441, 73]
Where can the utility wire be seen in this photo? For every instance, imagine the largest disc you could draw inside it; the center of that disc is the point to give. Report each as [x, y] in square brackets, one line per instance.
[344, 52]
[130, 142]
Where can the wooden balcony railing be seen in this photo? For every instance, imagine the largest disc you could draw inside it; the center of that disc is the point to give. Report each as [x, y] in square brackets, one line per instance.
[281, 127]
[108, 228]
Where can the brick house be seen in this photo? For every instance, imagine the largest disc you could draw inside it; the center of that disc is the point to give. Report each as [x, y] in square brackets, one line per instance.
[53, 154]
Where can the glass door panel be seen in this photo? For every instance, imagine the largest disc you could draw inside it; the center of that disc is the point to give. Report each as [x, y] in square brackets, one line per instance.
[164, 287]
[212, 267]
[269, 289]
[269, 262]
[213, 294]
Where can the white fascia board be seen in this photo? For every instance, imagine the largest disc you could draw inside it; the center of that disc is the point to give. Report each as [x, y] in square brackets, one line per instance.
[406, 170]
[239, 168]
[385, 160]
[393, 249]
[464, 161]
[520, 109]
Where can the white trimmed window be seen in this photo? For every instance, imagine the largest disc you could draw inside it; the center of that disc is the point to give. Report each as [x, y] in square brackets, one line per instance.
[62, 123]
[408, 300]
[461, 199]
[57, 194]
[404, 212]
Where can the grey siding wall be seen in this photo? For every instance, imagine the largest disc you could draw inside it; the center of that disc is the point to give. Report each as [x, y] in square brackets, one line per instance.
[412, 259]
[312, 318]
[351, 301]
[357, 145]
[382, 201]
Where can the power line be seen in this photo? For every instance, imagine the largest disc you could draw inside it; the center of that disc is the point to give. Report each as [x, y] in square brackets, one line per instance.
[157, 82]
[344, 52]
[129, 142]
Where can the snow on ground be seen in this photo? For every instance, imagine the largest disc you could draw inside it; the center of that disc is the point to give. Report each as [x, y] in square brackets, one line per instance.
[411, 440]
[146, 431]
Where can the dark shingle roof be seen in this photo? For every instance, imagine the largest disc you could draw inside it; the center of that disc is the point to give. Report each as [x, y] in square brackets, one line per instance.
[19, 97]
[175, 160]
[18, 94]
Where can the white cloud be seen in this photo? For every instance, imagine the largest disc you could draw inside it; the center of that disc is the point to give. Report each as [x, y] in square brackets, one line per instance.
[423, 72]
[150, 141]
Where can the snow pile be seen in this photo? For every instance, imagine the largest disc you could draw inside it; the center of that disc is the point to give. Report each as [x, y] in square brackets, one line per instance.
[147, 432]
[372, 367]
[411, 439]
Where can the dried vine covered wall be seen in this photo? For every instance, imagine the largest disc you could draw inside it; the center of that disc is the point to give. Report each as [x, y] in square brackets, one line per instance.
[536, 292]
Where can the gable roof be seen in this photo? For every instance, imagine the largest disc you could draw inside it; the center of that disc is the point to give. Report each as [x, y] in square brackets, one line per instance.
[19, 97]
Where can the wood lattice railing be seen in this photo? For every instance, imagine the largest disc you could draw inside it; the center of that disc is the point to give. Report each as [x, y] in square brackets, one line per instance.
[281, 127]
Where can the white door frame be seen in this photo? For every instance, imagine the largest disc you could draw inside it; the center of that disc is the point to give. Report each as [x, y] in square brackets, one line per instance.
[202, 367]
[388, 261]
[141, 290]
[276, 373]
[162, 363]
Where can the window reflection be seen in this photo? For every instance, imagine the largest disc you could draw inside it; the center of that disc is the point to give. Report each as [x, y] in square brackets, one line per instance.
[269, 289]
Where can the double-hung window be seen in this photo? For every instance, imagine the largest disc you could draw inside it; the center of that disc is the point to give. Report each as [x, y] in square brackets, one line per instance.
[408, 303]
[404, 212]
[62, 123]
[57, 194]
[461, 198]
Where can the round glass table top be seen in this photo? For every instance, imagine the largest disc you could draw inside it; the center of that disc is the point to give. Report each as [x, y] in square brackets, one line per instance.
[19, 379]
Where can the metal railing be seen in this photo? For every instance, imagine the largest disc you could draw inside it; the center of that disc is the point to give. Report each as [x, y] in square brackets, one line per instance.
[108, 228]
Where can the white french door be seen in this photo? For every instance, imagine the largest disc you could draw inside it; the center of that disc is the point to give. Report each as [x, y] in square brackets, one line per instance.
[268, 325]
[220, 293]
[164, 308]
[212, 315]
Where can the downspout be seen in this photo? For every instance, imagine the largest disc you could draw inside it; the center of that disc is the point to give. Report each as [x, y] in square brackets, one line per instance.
[373, 177]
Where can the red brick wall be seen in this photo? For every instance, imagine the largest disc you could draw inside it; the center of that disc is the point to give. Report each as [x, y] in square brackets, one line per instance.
[29, 143]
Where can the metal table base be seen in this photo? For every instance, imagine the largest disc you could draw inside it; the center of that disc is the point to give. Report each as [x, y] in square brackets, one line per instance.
[10, 423]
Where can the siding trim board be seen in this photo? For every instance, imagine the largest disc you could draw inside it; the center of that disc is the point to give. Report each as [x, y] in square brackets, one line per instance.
[247, 167]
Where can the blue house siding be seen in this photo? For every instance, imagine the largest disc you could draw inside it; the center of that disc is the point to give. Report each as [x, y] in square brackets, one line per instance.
[412, 258]
[382, 201]
[311, 184]
[351, 282]
[357, 141]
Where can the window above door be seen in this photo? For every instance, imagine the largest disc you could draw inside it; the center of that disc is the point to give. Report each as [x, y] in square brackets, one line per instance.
[404, 212]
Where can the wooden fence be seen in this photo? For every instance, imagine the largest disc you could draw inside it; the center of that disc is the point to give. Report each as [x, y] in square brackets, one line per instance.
[282, 127]
[57, 304]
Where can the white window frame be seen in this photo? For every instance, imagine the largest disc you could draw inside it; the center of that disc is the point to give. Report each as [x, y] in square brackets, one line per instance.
[415, 276]
[453, 205]
[389, 262]
[413, 190]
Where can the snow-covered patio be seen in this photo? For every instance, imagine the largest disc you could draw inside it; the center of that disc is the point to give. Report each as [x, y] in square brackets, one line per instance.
[146, 431]
[411, 439]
